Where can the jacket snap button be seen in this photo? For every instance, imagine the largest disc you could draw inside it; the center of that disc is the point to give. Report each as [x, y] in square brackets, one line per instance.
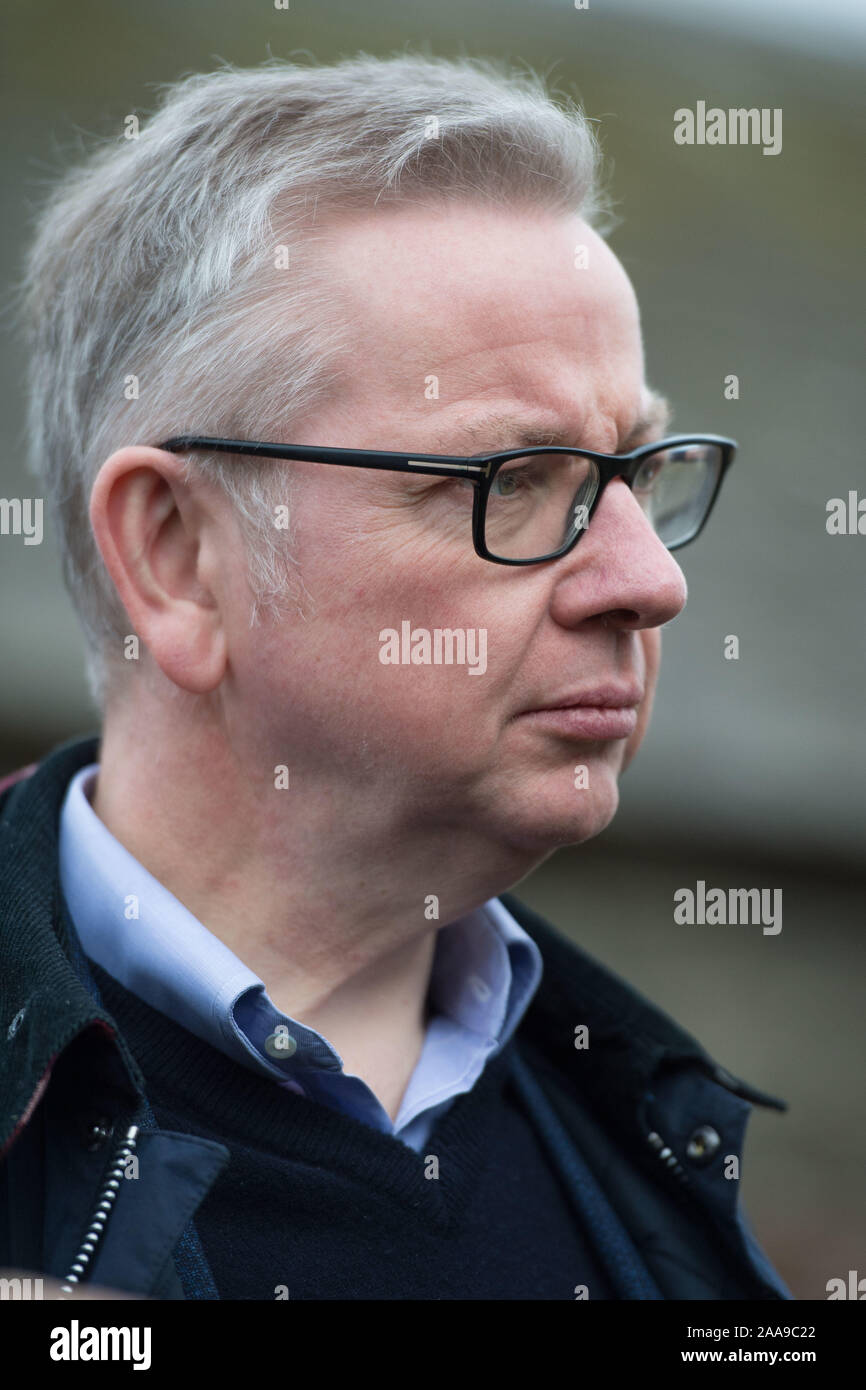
[703, 1144]
[96, 1132]
[280, 1045]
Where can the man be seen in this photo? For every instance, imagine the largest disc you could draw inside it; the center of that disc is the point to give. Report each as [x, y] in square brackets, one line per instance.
[268, 1016]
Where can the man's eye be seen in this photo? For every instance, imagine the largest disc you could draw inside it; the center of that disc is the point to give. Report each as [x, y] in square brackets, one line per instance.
[647, 474]
[510, 482]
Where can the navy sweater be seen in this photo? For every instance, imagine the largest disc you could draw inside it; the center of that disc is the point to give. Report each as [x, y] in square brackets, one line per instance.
[323, 1206]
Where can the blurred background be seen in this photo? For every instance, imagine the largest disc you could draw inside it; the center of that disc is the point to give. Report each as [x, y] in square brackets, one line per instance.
[754, 770]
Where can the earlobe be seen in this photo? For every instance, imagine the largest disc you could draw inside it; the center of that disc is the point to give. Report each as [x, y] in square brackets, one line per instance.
[191, 655]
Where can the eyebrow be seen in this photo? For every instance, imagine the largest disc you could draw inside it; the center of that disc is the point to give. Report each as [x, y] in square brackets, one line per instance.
[654, 420]
[497, 431]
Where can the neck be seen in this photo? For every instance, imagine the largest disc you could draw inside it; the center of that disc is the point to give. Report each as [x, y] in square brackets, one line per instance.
[317, 888]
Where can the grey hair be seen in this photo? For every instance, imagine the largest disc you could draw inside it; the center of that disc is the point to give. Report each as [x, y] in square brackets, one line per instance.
[153, 301]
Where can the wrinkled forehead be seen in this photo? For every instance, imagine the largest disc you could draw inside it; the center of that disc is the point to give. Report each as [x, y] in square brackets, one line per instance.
[488, 301]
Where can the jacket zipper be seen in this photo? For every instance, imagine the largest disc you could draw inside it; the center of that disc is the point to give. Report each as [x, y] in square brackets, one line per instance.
[102, 1211]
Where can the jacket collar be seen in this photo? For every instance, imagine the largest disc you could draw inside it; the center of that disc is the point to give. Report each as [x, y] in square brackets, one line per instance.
[42, 963]
[632, 1041]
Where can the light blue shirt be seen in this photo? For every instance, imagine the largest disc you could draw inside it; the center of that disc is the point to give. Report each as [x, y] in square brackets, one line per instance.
[485, 972]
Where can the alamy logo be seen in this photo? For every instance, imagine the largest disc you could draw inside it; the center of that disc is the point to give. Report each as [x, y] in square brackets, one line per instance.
[444, 646]
[847, 520]
[22, 516]
[855, 1288]
[737, 126]
[716, 906]
[76, 1343]
[21, 1288]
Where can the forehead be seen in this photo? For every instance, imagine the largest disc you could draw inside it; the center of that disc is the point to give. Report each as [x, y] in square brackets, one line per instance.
[458, 305]
[485, 431]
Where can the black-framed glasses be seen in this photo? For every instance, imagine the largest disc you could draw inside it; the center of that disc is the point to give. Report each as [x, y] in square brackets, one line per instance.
[532, 505]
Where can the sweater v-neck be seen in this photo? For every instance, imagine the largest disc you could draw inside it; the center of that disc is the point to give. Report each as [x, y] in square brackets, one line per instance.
[192, 1085]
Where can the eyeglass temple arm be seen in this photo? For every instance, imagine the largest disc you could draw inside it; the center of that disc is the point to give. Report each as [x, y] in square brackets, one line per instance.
[443, 465]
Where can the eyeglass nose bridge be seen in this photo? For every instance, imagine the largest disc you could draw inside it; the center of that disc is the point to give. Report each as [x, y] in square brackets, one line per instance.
[607, 470]
[628, 467]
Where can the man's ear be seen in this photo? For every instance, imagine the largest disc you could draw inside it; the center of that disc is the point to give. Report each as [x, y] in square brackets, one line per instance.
[158, 543]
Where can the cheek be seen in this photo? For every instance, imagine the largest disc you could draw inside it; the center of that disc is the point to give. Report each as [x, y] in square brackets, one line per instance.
[651, 642]
[651, 645]
[438, 713]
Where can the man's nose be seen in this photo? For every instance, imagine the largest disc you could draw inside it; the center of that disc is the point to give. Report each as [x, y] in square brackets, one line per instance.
[619, 569]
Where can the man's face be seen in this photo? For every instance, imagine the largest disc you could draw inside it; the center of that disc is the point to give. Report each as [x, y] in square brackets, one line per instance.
[490, 304]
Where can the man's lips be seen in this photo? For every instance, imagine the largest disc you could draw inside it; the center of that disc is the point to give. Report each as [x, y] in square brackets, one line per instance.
[606, 712]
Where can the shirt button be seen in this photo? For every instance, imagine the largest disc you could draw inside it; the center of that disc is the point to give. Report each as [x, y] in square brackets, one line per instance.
[703, 1144]
[280, 1044]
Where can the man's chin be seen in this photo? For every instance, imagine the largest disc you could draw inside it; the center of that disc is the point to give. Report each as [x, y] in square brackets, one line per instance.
[542, 826]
